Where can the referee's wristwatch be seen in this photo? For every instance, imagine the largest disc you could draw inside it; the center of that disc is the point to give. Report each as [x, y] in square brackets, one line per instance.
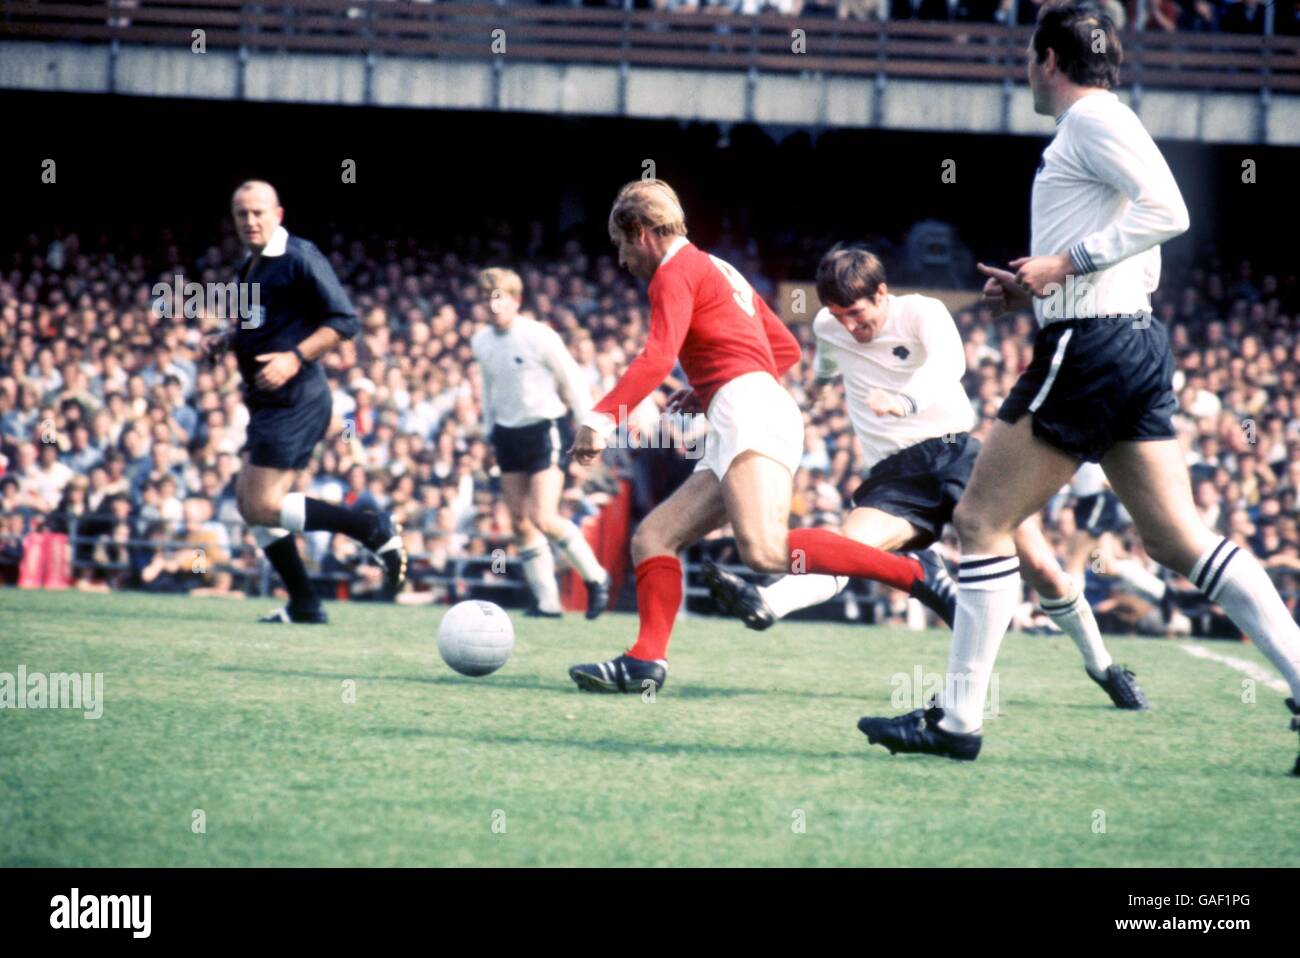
[301, 358]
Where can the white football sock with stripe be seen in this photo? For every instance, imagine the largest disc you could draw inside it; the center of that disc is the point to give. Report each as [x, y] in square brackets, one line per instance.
[793, 592]
[576, 547]
[1073, 616]
[988, 591]
[1235, 580]
[1138, 578]
[539, 570]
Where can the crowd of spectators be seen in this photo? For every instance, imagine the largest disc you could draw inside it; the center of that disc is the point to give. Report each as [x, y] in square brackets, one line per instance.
[1246, 17]
[112, 426]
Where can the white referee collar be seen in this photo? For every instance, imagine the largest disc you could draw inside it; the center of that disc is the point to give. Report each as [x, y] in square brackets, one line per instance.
[673, 247]
[278, 243]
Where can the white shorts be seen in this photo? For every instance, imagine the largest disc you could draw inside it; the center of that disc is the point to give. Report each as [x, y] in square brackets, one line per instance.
[754, 413]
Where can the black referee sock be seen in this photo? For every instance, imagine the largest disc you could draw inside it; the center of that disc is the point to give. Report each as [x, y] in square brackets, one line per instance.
[284, 558]
[319, 515]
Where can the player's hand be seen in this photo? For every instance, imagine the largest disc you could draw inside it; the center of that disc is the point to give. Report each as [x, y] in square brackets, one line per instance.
[885, 404]
[1001, 291]
[214, 345]
[279, 369]
[684, 401]
[587, 446]
[1035, 273]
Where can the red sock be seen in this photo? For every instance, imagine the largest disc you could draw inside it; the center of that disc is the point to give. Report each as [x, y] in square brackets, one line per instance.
[658, 597]
[828, 553]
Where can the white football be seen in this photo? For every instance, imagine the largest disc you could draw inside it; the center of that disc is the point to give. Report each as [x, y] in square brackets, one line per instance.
[475, 637]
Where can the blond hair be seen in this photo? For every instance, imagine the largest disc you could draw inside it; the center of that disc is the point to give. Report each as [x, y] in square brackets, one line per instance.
[647, 205]
[499, 278]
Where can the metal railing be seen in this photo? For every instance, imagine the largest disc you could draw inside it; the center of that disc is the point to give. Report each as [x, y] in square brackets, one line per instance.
[767, 42]
[252, 574]
[250, 570]
[863, 601]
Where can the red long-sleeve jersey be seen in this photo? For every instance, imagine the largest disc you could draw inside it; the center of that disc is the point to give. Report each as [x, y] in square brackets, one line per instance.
[703, 312]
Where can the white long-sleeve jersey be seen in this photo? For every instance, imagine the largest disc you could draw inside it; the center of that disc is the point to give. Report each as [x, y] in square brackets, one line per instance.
[918, 356]
[528, 375]
[1105, 194]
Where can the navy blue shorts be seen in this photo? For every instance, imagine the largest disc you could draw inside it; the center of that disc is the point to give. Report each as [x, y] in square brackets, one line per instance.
[921, 484]
[1095, 382]
[1098, 514]
[533, 448]
[284, 426]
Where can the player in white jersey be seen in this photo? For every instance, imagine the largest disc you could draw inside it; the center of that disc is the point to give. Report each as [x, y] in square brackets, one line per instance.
[530, 385]
[902, 363]
[1098, 389]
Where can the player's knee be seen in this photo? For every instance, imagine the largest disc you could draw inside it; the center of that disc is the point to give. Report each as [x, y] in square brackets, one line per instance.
[548, 522]
[258, 510]
[973, 525]
[764, 553]
[646, 542]
[523, 525]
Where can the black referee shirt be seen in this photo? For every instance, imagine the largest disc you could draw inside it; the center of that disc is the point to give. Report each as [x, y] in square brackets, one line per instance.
[297, 294]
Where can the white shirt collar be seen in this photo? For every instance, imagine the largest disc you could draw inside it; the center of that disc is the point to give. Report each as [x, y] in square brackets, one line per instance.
[673, 247]
[278, 242]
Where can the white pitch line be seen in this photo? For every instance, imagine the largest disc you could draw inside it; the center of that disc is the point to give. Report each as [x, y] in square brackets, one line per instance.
[1259, 674]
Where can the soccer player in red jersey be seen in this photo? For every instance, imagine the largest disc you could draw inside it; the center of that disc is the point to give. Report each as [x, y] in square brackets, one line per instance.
[734, 350]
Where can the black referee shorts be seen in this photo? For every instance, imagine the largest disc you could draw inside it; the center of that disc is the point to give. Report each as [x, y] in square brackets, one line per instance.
[922, 483]
[1095, 382]
[284, 426]
[533, 448]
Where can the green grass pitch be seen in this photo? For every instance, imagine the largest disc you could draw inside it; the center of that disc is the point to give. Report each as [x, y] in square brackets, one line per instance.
[749, 756]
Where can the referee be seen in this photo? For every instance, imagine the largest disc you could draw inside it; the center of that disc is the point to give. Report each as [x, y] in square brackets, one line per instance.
[302, 314]
[1099, 387]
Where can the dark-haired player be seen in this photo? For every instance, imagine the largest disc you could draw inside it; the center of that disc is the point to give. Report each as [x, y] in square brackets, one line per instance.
[902, 363]
[1099, 387]
[301, 314]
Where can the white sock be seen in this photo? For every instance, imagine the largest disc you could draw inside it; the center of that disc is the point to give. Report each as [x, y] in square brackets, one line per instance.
[293, 511]
[1073, 615]
[793, 592]
[1235, 580]
[539, 570]
[575, 546]
[988, 590]
[1143, 581]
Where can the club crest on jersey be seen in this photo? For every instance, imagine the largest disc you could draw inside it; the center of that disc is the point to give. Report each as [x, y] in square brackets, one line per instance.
[902, 352]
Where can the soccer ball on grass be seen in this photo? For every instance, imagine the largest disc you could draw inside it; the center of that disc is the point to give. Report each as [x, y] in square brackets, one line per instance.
[475, 637]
